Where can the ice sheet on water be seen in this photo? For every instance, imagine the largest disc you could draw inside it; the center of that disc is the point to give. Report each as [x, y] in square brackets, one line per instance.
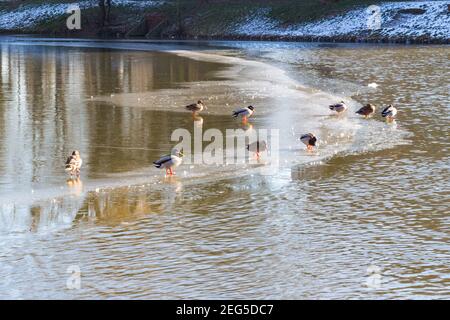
[282, 103]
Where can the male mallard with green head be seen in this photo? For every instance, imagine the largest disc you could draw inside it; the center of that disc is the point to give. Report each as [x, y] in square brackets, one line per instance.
[170, 161]
[389, 113]
[339, 107]
[245, 113]
[309, 140]
[257, 147]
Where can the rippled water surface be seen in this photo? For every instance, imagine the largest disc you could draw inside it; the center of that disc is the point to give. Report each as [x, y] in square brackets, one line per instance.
[363, 216]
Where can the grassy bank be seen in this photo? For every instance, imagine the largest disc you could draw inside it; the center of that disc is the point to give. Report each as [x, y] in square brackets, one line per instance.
[209, 18]
[201, 19]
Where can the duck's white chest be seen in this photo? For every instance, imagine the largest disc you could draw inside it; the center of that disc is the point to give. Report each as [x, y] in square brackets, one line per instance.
[175, 161]
[393, 112]
[248, 112]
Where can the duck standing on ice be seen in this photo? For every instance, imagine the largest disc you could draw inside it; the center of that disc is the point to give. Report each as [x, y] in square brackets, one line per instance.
[257, 147]
[196, 107]
[389, 113]
[170, 161]
[309, 140]
[367, 110]
[245, 113]
[73, 164]
[339, 107]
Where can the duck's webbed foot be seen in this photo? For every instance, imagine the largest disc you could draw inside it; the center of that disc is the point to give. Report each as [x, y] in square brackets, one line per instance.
[169, 172]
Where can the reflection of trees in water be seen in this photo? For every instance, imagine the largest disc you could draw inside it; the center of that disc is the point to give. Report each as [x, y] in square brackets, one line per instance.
[44, 109]
[128, 203]
[45, 112]
[106, 206]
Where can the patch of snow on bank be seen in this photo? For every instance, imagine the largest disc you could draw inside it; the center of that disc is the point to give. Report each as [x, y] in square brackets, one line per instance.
[255, 22]
[434, 22]
[28, 15]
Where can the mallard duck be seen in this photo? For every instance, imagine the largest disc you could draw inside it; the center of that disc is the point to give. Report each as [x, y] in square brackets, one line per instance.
[170, 161]
[257, 147]
[309, 140]
[389, 113]
[245, 113]
[73, 164]
[367, 110]
[339, 107]
[196, 107]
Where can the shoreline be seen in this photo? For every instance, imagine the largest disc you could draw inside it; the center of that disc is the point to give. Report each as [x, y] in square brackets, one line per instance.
[269, 38]
[329, 39]
[263, 38]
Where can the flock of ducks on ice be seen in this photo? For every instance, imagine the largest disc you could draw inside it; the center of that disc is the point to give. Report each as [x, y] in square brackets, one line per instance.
[173, 160]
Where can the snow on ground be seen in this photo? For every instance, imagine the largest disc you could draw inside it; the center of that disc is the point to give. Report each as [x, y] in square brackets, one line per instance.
[434, 22]
[28, 15]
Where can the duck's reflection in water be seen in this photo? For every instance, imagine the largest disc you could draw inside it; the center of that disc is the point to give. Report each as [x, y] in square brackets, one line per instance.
[172, 193]
[247, 127]
[75, 186]
[312, 171]
[198, 122]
